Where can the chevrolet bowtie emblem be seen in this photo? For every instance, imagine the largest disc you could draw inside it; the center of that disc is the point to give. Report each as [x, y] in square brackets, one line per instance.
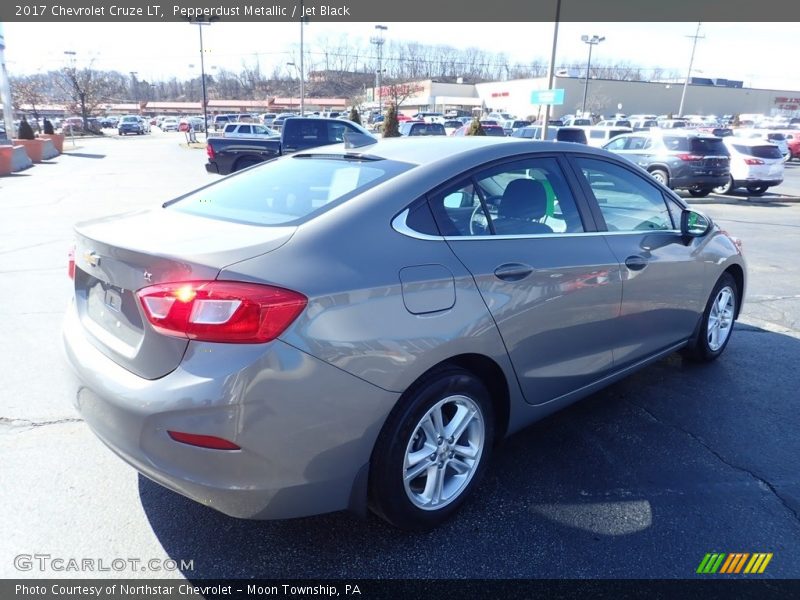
[92, 258]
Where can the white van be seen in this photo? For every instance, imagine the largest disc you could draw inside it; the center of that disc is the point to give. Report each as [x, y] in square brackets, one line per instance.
[597, 136]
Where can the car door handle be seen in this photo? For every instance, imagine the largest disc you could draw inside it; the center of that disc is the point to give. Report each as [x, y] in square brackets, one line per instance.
[513, 271]
[636, 263]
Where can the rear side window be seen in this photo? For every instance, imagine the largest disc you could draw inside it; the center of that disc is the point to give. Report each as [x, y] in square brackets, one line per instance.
[765, 151]
[525, 197]
[627, 201]
[287, 189]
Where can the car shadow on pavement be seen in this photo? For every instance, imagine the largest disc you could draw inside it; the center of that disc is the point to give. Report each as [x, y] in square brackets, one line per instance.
[678, 460]
[83, 155]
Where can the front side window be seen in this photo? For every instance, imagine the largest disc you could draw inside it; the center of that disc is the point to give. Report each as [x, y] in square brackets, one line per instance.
[627, 201]
[525, 197]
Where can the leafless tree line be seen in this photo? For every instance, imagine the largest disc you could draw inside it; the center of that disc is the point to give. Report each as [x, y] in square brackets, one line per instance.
[334, 68]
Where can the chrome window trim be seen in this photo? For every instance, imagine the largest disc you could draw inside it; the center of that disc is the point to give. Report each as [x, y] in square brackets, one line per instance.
[400, 226]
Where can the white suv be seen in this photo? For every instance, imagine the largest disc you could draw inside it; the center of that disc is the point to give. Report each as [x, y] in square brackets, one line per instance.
[773, 137]
[248, 130]
[756, 165]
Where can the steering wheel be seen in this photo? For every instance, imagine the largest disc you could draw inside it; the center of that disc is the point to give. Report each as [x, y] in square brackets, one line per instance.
[478, 225]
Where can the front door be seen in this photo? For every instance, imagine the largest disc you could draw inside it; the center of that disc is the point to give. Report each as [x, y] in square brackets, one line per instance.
[552, 287]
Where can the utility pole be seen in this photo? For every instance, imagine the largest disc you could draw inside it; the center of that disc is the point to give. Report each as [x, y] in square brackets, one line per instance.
[551, 70]
[696, 37]
[379, 41]
[302, 70]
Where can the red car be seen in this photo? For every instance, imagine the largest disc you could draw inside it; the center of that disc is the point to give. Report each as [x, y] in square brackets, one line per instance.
[793, 141]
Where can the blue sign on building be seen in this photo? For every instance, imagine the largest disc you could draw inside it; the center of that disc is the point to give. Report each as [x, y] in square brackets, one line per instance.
[555, 97]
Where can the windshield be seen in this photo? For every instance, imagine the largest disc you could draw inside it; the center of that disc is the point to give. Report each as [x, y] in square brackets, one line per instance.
[287, 189]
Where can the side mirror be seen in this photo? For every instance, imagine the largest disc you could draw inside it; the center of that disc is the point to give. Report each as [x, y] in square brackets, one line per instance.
[694, 224]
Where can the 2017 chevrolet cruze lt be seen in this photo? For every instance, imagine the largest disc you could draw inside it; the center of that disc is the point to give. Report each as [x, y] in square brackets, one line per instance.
[359, 326]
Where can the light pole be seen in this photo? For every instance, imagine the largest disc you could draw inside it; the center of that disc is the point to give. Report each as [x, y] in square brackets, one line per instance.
[696, 37]
[592, 41]
[200, 24]
[296, 68]
[379, 41]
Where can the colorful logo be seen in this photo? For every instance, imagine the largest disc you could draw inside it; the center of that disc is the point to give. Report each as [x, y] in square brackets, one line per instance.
[734, 563]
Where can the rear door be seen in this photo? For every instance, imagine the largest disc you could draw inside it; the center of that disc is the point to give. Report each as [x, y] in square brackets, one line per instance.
[552, 286]
[662, 275]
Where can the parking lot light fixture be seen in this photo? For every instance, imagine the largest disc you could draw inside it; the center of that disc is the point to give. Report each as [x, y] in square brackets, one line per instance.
[200, 24]
[591, 41]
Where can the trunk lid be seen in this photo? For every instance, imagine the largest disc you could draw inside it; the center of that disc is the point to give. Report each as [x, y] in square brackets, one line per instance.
[116, 256]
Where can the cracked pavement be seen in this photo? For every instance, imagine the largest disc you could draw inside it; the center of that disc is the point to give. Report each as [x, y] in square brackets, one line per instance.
[639, 480]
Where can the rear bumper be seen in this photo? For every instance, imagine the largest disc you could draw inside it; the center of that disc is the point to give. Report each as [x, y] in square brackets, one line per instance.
[305, 428]
[690, 181]
[756, 181]
[212, 167]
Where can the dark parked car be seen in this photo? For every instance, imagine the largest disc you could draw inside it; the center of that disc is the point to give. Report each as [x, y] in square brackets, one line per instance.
[226, 155]
[571, 134]
[359, 327]
[682, 159]
[132, 124]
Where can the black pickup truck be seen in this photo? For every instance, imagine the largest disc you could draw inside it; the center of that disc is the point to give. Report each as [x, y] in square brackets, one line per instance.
[226, 155]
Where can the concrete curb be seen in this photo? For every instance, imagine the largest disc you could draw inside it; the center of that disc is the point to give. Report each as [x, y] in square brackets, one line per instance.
[719, 199]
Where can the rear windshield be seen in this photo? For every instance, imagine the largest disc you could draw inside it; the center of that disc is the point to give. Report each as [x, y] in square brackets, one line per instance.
[766, 151]
[497, 131]
[427, 129]
[287, 189]
[697, 145]
[776, 137]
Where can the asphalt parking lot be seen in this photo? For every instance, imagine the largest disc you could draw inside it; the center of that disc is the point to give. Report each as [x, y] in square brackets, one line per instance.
[638, 481]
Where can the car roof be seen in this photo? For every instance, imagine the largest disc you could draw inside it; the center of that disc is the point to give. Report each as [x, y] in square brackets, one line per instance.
[428, 150]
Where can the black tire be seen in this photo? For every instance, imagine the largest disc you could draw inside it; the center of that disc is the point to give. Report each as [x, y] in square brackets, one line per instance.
[661, 176]
[757, 190]
[700, 192]
[389, 495]
[701, 349]
[725, 188]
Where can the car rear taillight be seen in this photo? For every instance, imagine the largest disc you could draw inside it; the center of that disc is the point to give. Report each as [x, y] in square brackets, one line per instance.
[71, 263]
[221, 311]
[203, 441]
[753, 161]
[210, 151]
[687, 156]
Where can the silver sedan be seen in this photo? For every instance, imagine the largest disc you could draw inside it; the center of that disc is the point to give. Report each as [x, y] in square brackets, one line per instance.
[358, 326]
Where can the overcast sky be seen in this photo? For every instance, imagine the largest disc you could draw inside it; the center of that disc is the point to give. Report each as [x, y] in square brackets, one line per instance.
[757, 53]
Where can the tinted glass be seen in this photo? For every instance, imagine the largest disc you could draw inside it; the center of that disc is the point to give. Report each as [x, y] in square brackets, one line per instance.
[765, 151]
[284, 190]
[628, 201]
[708, 146]
[525, 197]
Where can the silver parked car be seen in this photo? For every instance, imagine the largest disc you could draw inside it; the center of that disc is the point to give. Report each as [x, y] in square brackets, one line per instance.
[353, 327]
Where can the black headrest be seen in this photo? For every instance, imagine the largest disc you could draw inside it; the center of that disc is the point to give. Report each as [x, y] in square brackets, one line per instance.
[523, 199]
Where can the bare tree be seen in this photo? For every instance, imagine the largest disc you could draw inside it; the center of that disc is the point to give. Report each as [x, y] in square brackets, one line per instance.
[28, 91]
[87, 88]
